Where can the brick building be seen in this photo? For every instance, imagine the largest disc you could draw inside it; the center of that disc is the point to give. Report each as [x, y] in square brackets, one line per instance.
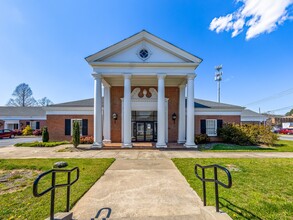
[145, 83]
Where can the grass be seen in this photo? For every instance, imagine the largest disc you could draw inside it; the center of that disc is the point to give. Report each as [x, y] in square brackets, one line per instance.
[41, 144]
[262, 188]
[23, 205]
[280, 146]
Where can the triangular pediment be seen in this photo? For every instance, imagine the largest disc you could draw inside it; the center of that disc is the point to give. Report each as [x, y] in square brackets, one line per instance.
[131, 49]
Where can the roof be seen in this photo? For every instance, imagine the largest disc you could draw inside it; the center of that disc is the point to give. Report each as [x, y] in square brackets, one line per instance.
[22, 111]
[249, 115]
[133, 39]
[200, 103]
[78, 103]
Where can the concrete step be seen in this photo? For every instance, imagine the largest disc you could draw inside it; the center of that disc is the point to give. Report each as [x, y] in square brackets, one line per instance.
[179, 217]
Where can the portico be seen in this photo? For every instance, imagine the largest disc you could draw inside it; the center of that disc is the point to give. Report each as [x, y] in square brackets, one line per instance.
[144, 80]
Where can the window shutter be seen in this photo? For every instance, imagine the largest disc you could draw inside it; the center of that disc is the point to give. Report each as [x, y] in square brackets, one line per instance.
[67, 127]
[37, 125]
[84, 127]
[219, 124]
[203, 126]
[27, 123]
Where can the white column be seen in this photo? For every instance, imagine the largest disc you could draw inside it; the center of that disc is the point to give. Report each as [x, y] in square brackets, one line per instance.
[190, 112]
[127, 112]
[97, 112]
[181, 122]
[161, 142]
[107, 114]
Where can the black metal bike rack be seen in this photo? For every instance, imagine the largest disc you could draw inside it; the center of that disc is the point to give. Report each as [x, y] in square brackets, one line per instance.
[214, 180]
[54, 186]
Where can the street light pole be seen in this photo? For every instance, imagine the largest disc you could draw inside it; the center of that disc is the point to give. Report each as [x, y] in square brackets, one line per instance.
[218, 78]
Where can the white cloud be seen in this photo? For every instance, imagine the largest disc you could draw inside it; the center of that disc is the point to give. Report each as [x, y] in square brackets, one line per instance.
[260, 16]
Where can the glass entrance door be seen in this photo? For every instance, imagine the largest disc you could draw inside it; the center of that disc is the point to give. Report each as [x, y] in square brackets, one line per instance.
[143, 131]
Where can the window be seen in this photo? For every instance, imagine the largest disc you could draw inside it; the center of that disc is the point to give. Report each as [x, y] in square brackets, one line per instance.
[80, 125]
[210, 126]
[33, 125]
[143, 53]
[83, 126]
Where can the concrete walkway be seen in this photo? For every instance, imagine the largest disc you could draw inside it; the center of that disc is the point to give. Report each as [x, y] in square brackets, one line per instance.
[38, 152]
[140, 189]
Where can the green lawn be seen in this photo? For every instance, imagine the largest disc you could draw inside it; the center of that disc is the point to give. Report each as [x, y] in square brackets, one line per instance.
[41, 144]
[262, 188]
[280, 146]
[23, 205]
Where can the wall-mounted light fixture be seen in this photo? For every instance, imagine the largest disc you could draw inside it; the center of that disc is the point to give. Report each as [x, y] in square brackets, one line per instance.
[174, 117]
[115, 116]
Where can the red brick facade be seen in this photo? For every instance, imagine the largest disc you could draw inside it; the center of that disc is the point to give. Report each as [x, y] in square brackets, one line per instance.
[226, 119]
[56, 126]
[117, 92]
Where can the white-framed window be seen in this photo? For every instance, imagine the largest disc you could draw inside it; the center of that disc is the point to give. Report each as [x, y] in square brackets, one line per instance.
[80, 125]
[33, 125]
[211, 127]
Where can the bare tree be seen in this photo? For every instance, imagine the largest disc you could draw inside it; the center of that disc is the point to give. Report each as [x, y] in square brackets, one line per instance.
[45, 102]
[23, 96]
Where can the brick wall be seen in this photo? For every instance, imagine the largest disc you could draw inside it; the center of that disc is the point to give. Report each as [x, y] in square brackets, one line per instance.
[1, 124]
[226, 119]
[173, 107]
[117, 92]
[56, 126]
[23, 123]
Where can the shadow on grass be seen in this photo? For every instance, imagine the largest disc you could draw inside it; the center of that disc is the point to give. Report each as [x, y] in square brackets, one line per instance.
[241, 212]
[238, 147]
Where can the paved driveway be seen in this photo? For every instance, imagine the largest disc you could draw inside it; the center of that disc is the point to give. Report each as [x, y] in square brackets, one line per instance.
[11, 141]
[286, 137]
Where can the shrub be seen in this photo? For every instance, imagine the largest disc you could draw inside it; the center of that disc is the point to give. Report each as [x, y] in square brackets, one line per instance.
[45, 134]
[76, 134]
[27, 130]
[37, 132]
[247, 134]
[41, 144]
[18, 132]
[202, 139]
[86, 140]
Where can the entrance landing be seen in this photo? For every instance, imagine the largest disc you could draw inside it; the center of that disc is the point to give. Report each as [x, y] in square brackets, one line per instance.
[140, 189]
[142, 145]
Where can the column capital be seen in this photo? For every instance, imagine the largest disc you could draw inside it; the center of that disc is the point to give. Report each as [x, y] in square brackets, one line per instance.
[161, 75]
[97, 75]
[191, 76]
[182, 85]
[127, 75]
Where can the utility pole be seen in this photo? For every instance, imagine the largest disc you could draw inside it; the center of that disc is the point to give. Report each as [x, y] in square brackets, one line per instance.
[218, 78]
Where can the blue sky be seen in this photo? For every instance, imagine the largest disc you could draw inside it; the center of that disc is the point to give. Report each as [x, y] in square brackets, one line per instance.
[44, 43]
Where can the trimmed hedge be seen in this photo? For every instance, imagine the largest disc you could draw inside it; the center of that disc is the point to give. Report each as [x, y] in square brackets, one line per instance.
[41, 144]
[247, 134]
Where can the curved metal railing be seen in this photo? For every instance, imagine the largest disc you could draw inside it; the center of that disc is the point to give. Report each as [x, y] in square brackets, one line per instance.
[54, 186]
[214, 180]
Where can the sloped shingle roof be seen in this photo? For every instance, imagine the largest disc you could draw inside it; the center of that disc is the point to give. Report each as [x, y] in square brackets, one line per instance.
[22, 111]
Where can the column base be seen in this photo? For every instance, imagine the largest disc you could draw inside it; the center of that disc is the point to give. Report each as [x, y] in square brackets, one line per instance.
[181, 141]
[161, 145]
[96, 145]
[126, 145]
[190, 145]
[106, 141]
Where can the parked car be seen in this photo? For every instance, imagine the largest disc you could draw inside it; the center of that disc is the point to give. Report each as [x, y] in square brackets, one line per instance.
[286, 131]
[7, 133]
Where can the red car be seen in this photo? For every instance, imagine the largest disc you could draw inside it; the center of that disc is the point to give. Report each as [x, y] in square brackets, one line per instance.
[7, 133]
[286, 131]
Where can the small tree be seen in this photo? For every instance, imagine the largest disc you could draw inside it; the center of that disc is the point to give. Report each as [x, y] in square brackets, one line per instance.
[45, 134]
[76, 134]
[27, 130]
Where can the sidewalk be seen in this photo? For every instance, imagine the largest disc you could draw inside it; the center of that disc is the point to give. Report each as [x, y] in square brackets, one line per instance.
[39, 152]
[140, 189]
